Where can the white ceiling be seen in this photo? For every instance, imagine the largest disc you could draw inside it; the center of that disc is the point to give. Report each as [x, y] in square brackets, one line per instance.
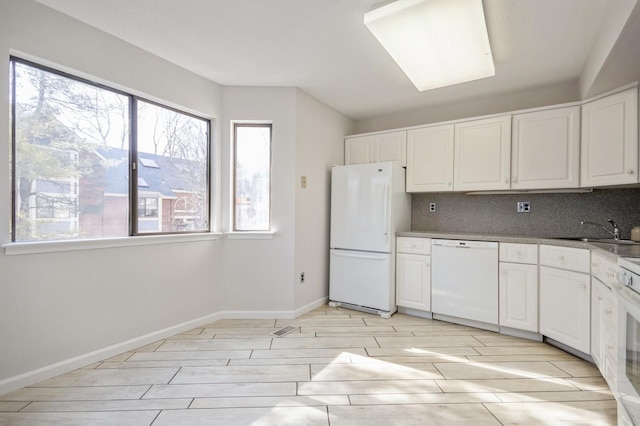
[323, 47]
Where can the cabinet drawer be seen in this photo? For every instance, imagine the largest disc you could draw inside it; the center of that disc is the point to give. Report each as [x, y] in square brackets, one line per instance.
[572, 259]
[413, 245]
[603, 269]
[519, 253]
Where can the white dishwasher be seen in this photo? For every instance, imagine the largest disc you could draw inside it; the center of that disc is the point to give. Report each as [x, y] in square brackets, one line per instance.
[464, 280]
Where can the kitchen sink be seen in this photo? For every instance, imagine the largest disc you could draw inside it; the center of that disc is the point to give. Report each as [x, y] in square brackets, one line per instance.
[602, 240]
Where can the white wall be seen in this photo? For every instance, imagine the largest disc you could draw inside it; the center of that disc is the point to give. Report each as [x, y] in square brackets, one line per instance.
[259, 273]
[63, 310]
[57, 306]
[319, 136]
[531, 98]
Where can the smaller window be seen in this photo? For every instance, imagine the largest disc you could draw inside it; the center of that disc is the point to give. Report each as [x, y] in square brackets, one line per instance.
[148, 207]
[252, 177]
[148, 162]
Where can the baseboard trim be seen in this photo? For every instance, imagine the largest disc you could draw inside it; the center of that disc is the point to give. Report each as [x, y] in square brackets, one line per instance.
[52, 370]
[274, 314]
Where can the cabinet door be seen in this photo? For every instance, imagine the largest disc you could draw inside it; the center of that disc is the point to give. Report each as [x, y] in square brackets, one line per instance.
[483, 154]
[519, 296]
[430, 159]
[565, 302]
[610, 140]
[391, 147]
[358, 150]
[545, 149]
[413, 281]
[597, 322]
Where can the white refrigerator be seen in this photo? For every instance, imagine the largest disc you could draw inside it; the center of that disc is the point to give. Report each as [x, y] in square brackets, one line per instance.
[368, 206]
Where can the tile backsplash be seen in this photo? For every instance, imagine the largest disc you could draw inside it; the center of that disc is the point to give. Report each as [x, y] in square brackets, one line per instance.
[551, 215]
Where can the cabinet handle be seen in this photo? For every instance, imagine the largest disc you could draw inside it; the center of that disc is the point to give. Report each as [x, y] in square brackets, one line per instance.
[608, 311]
[630, 172]
[515, 180]
[583, 286]
[599, 297]
[561, 258]
[449, 183]
[506, 181]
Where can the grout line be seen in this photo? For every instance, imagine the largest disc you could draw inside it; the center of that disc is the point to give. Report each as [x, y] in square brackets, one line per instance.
[144, 393]
[155, 418]
[174, 375]
[491, 412]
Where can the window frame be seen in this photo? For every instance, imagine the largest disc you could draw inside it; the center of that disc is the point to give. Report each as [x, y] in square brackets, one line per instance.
[236, 125]
[132, 214]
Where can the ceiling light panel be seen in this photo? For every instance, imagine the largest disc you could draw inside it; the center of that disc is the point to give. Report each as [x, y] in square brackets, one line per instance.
[436, 43]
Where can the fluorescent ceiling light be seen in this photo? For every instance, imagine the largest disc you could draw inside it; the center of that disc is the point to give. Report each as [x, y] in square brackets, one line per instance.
[437, 43]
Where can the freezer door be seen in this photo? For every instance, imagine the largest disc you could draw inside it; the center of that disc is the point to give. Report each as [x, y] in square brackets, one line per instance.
[362, 278]
[361, 207]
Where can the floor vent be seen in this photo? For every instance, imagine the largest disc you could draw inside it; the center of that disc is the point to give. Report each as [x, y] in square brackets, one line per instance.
[283, 331]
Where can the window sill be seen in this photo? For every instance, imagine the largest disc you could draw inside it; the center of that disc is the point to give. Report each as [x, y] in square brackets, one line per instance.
[250, 235]
[12, 249]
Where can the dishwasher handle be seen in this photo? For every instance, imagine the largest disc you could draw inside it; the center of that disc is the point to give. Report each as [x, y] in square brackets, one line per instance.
[464, 244]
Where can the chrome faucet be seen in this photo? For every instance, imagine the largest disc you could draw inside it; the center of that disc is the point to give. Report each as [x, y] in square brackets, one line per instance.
[615, 233]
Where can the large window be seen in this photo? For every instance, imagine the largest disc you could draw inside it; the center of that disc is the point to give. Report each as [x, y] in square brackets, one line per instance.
[252, 177]
[79, 146]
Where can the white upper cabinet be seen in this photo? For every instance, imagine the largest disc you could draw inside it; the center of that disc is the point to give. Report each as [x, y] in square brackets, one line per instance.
[430, 159]
[610, 140]
[358, 150]
[545, 150]
[483, 154]
[390, 146]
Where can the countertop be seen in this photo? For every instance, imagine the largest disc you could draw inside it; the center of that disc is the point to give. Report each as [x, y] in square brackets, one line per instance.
[612, 250]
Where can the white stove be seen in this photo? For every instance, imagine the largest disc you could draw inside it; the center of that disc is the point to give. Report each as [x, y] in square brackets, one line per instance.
[629, 272]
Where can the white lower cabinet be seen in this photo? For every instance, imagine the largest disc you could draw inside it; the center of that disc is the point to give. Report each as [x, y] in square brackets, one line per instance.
[518, 286]
[604, 318]
[598, 294]
[565, 305]
[413, 273]
[565, 296]
[519, 296]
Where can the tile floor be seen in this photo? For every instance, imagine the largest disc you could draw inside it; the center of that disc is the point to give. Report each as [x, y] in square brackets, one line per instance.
[339, 367]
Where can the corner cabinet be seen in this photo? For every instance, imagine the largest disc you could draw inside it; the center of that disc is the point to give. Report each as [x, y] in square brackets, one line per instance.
[391, 146]
[610, 140]
[565, 296]
[430, 159]
[545, 150]
[604, 316]
[483, 154]
[413, 273]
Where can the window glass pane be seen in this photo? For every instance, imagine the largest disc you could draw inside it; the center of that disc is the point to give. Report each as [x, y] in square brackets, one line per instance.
[173, 158]
[252, 177]
[71, 158]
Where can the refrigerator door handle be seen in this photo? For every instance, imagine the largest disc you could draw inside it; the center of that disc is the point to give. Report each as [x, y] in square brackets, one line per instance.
[360, 255]
[385, 214]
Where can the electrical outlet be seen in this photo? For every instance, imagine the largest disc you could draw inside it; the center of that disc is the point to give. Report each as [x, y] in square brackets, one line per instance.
[432, 207]
[524, 207]
[301, 277]
[303, 182]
